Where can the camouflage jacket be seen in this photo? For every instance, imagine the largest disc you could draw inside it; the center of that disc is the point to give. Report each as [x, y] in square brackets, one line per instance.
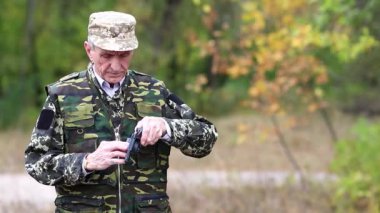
[78, 115]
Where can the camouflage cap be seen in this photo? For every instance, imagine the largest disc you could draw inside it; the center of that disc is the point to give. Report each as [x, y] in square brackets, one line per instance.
[111, 30]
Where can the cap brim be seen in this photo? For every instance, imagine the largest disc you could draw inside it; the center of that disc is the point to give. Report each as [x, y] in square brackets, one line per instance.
[116, 44]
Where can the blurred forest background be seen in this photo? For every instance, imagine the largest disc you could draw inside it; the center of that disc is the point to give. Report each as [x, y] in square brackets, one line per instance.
[266, 59]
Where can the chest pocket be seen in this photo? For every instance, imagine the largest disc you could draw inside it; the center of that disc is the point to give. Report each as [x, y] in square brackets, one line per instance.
[147, 157]
[79, 126]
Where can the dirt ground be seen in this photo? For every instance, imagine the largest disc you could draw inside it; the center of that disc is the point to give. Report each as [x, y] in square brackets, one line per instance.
[249, 142]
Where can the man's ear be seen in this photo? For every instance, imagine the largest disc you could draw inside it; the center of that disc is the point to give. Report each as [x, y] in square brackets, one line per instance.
[87, 47]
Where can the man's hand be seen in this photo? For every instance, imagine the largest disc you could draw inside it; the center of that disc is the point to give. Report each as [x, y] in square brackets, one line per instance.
[107, 154]
[153, 129]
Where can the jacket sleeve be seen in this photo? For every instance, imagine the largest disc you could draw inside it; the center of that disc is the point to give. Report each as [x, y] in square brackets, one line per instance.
[194, 135]
[45, 159]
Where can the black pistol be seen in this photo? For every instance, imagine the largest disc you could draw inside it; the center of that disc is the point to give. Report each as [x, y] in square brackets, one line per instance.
[134, 143]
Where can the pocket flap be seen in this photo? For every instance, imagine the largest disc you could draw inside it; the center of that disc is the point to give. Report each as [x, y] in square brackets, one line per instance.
[155, 202]
[78, 203]
[80, 123]
[148, 109]
[81, 116]
[77, 111]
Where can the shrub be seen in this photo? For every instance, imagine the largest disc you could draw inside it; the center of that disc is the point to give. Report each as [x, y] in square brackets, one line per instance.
[357, 162]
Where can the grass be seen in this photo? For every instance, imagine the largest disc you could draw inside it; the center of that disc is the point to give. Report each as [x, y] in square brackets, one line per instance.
[247, 142]
[13, 143]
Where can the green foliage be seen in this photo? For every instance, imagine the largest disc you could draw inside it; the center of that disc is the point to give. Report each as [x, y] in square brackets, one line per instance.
[11, 24]
[217, 102]
[182, 42]
[354, 73]
[357, 163]
[357, 90]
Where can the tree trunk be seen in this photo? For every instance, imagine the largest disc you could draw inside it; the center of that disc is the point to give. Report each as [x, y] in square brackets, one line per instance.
[288, 153]
[28, 61]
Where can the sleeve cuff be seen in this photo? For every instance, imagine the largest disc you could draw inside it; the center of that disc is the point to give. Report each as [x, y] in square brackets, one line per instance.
[84, 162]
[168, 134]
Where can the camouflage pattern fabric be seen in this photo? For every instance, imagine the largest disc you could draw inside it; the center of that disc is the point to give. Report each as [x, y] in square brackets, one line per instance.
[112, 31]
[78, 115]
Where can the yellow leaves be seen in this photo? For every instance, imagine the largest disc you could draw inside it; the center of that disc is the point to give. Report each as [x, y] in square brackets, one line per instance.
[248, 6]
[297, 43]
[293, 5]
[206, 8]
[345, 47]
[241, 66]
[305, 29]
[314, 106]
[274, 44]
[200, 81]
[302, 37]
[253, 16]
[258, 88]
[278, 40]
[266, 60]
[253, 91]
[245, 43]
[259, 21]
[283, 9]
[274, 108]
[321, 75]
[318, 92]
[237, 70]
[265, 94]
[197, 2]
[366, 41]
[299, 74]
[287, 19]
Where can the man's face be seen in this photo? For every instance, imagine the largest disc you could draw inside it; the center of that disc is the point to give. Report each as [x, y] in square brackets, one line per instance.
[110, 65]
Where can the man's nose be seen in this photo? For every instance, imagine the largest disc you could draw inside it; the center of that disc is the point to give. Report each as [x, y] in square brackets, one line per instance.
[116, 64]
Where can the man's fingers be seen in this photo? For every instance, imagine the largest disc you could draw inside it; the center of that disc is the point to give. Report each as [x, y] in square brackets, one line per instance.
[113, 145]
[118, 154]
[149, 136]
[143, 137]
[153, 135]
[117, 161]
[153, 128]
[122, 146]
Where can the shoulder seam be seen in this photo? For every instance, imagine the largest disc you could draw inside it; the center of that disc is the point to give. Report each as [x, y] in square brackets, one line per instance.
[139, 73]
[50, 87]
[68, 77]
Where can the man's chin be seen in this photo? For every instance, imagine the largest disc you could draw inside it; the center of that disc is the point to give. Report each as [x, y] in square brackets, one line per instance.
[114, 80]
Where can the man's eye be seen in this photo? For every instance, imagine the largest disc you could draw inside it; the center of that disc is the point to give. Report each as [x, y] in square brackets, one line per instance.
[124, 55]
[107, 56]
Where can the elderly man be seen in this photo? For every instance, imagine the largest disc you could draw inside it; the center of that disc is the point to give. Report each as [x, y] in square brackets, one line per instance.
[79, 141]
